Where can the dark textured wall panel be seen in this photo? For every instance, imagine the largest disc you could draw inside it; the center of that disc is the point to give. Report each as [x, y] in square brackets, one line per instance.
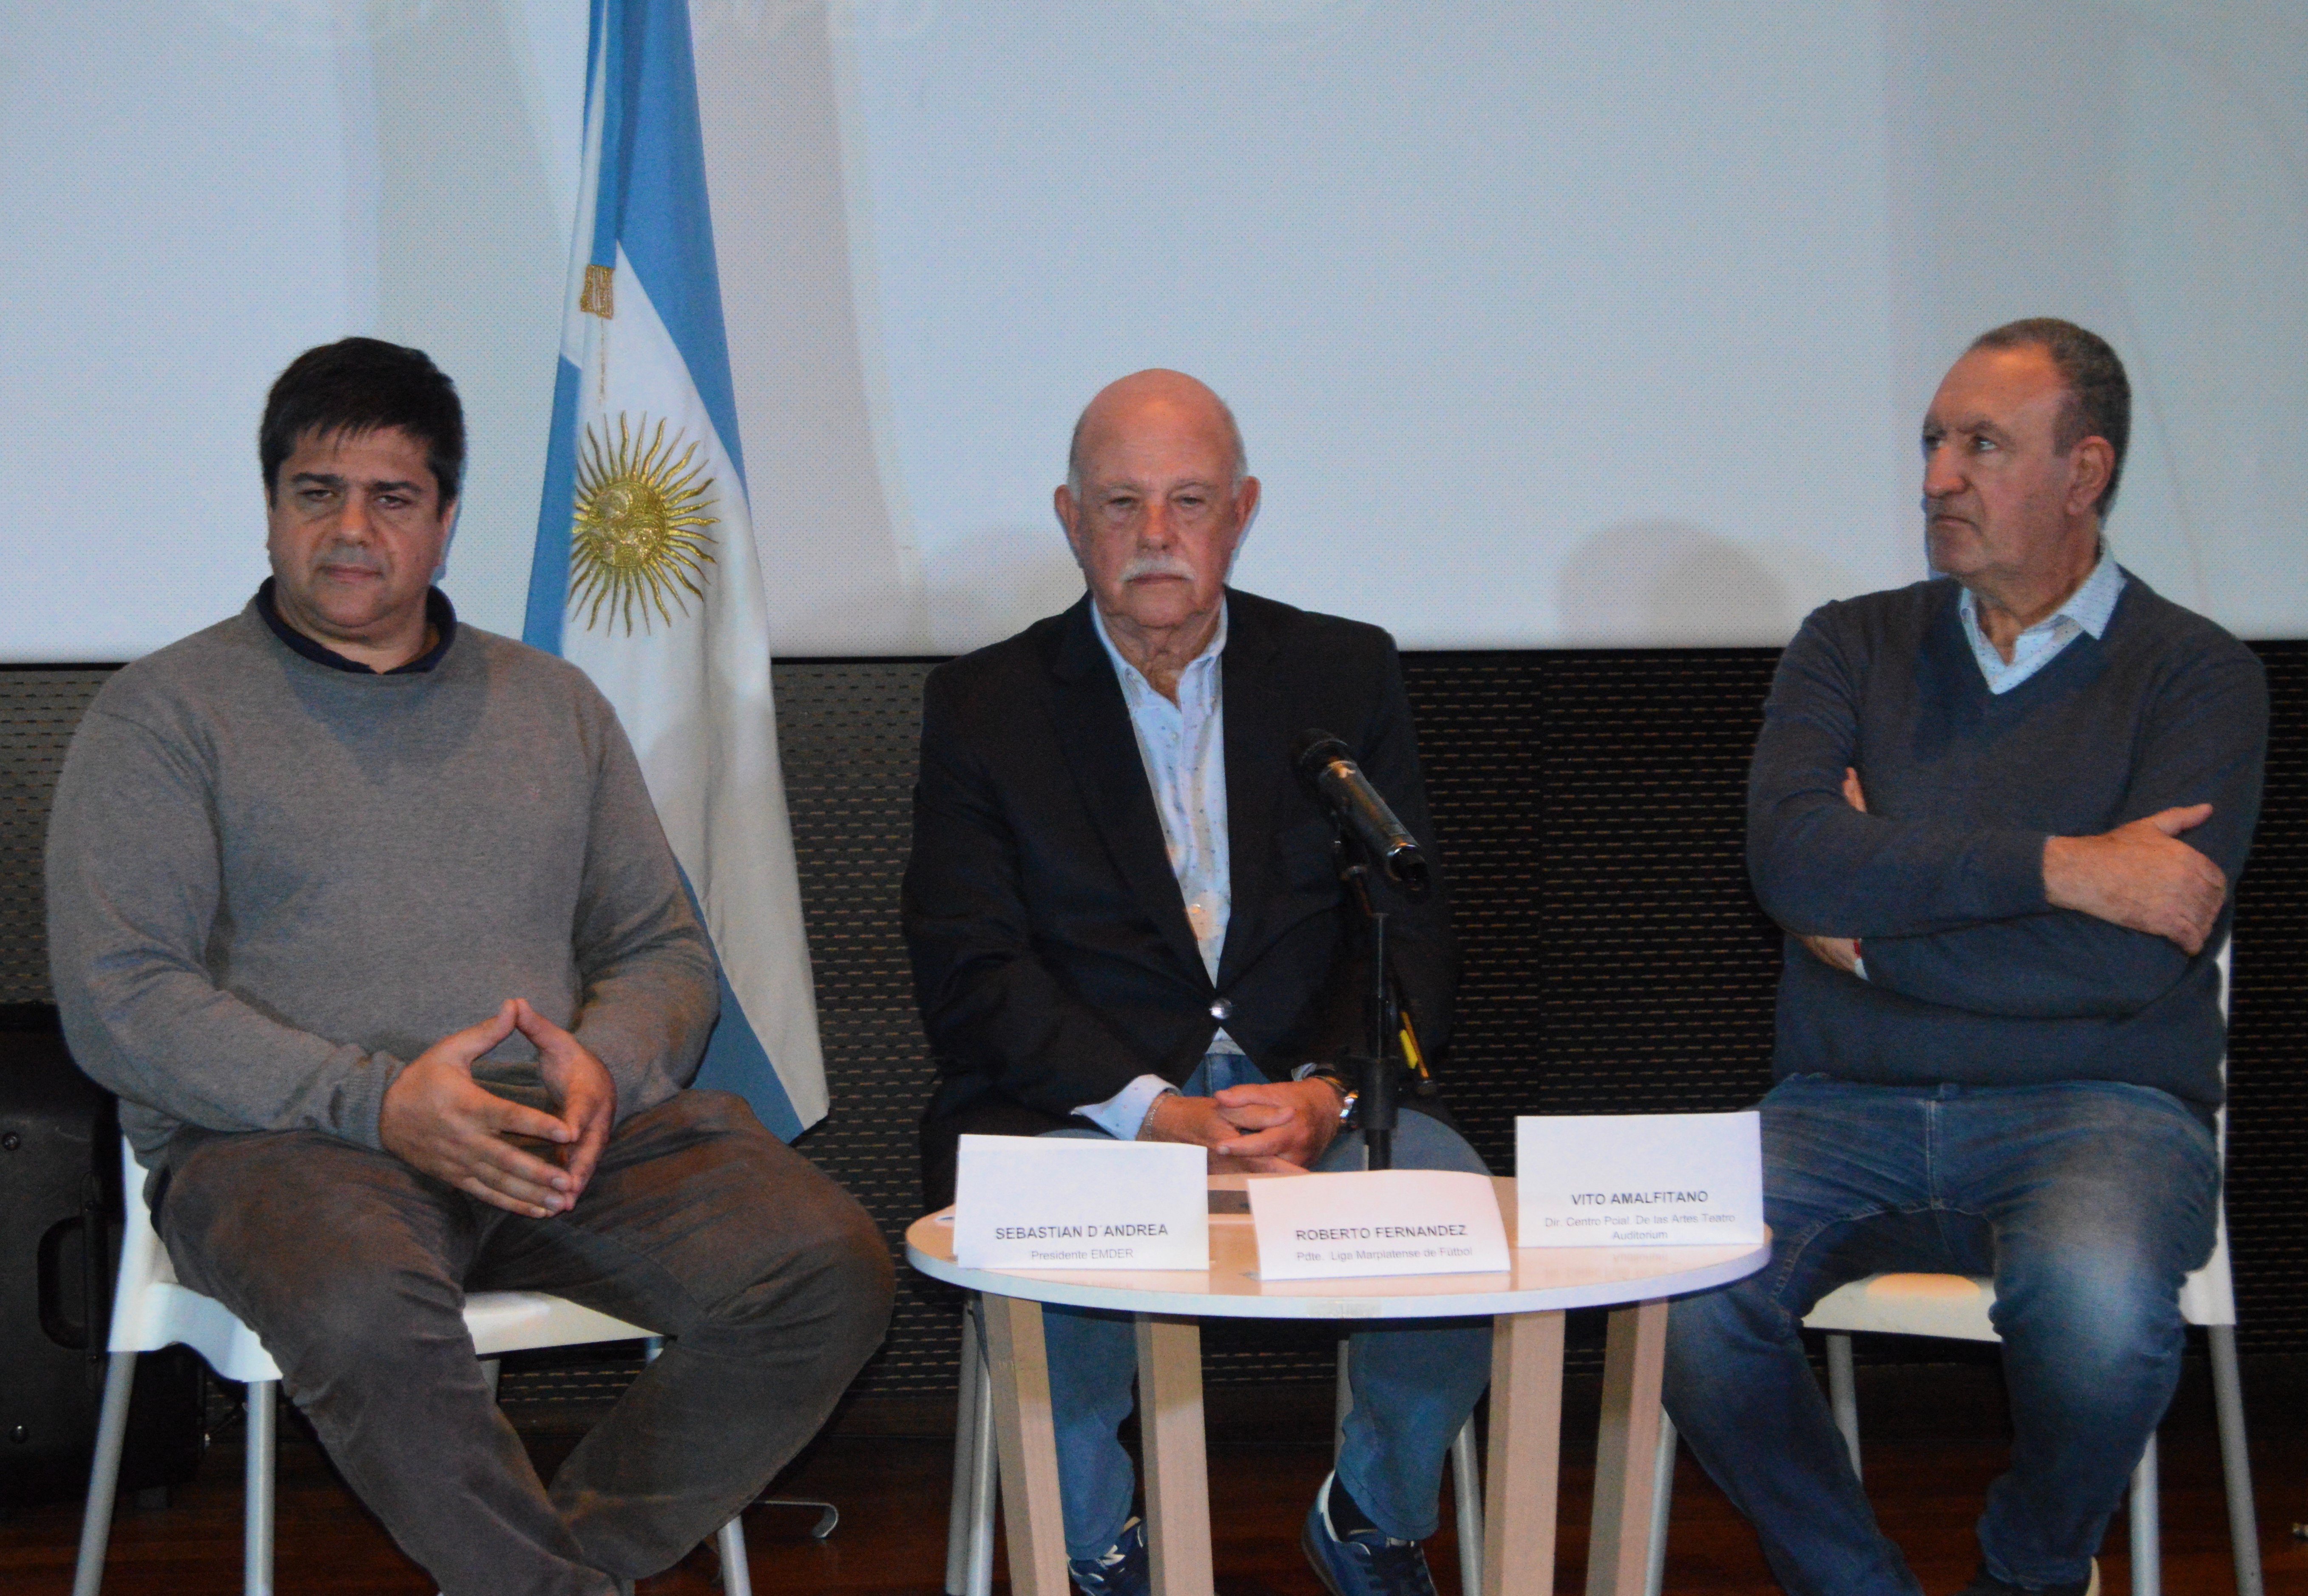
[37, 711]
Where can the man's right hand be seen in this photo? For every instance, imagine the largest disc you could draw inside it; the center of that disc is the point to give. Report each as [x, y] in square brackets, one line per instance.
[2141, 877]
[435, 1118]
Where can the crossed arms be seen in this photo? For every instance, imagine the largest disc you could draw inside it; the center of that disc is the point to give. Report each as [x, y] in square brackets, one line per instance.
[1996, 919]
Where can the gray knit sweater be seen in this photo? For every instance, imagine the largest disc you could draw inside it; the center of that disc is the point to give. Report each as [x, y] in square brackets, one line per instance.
[272, 885]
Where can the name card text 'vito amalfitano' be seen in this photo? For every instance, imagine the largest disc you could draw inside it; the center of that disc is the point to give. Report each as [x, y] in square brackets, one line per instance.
[1639, 1179]
[1071, 1202]
[1377, 1221]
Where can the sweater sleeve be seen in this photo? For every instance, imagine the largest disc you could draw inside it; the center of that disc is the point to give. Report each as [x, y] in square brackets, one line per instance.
[134, 888]
[649, 991]
[2203, 740]
[1821, 867]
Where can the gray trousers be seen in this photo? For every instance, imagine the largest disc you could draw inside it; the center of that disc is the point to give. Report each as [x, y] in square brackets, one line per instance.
[771, 1282]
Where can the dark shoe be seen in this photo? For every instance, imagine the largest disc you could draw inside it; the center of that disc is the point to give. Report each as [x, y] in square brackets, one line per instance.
[1122, 1569]
[1362, 1562]
[1985, 1584]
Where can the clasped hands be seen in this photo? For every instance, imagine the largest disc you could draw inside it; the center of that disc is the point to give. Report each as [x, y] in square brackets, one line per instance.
[1271, 1127]
[2139, 876]
[436, 1117]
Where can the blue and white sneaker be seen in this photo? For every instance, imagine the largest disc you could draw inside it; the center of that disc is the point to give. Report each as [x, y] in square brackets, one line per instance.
[1122, 1569]
[1362, 1562]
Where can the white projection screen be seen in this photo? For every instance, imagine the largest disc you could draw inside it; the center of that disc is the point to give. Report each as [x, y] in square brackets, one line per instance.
[1548, 325]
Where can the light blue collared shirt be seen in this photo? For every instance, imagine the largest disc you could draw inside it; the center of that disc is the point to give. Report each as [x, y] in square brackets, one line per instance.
[1183, 746]
[2087, 609]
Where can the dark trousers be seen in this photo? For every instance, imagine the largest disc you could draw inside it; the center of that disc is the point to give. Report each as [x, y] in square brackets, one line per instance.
[771, 1283]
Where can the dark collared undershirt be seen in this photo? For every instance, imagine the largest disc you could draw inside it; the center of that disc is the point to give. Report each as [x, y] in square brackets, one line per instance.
[439, 614]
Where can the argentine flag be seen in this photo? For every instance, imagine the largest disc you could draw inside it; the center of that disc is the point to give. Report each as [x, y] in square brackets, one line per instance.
[645, 572]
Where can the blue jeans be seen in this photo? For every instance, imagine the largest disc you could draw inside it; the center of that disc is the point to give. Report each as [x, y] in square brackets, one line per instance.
[1414, 1381]
[2088, 1201]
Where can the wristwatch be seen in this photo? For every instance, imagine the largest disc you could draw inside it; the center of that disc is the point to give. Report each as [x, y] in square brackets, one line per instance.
[1338, 1083]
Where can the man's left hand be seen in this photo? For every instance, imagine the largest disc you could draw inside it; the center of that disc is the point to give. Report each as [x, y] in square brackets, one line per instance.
[1841, 951]
[1291, 1120]
[582, 1083]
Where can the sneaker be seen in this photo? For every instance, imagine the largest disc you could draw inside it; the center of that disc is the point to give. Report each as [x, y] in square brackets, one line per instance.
[1985, 1584]
[1122, 1569]
[1362, 1562]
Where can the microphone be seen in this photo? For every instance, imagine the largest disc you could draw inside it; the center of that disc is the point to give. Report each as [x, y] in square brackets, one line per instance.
[1327, 768]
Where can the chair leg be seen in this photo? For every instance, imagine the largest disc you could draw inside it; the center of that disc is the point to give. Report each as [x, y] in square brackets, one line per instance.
[2235, 1461]
[256, 1535]
[2147, 1540]
[1843, 1394]
[1467, 1495]
[965, 1460]
[1662, 1501]
[1343, 1402]
[104, 1473]
[984, 1478]
[736, 1573]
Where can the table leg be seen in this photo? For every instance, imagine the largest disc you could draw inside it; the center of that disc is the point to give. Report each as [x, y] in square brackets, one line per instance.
[1028, 1444]
[1525, 1451]
[1177, 1463]
[1626, 1450]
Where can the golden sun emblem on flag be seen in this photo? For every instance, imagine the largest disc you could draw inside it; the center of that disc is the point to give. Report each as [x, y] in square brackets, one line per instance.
[637, 541]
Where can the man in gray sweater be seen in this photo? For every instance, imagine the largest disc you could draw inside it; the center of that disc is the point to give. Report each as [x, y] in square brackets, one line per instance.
[366, 917]
[1998, 814]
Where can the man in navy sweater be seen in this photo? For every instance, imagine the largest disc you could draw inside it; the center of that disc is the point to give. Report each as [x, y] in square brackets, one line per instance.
[1998, 813]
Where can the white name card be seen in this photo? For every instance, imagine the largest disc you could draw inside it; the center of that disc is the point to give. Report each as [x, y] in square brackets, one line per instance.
[1377, 1221]
[1070, 1202]
[1639, 1179]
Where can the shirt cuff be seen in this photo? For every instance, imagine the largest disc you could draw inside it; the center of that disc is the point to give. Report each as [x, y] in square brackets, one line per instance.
[1858, 963]
[1120, 1115]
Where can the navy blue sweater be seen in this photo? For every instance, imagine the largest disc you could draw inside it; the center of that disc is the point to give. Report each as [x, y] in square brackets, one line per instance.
[1973, 978]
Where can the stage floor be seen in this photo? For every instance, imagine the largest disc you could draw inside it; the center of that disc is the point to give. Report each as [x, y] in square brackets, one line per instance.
[893, 1492]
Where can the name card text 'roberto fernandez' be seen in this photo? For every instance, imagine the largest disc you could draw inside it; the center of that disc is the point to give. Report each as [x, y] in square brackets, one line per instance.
[1069, 1203]
[1377, 1221]
[1639, 1179]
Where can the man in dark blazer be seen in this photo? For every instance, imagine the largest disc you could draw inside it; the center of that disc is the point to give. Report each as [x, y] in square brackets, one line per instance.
[1126, 920]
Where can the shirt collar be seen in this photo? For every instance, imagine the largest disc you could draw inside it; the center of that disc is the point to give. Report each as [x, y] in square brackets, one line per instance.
[2091, 607]
[1129, 672]
[439, 614]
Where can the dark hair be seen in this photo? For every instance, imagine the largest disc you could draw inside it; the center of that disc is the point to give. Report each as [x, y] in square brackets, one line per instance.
[2099, 395]
[361, 385]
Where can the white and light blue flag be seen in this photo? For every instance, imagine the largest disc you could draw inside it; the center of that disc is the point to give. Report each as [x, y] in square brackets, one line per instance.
[645, 572]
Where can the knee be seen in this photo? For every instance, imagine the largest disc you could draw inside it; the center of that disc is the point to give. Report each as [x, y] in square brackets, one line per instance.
[2097, 1308]
[360, 1326]
[831, 1271]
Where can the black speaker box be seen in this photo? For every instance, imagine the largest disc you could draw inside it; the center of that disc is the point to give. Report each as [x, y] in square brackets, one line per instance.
[60, 1213]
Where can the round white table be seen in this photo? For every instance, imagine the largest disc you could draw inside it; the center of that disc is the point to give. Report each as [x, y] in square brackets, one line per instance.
[1525, 1305]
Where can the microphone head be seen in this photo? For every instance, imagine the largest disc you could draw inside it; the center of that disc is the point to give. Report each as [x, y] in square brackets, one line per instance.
[1313, 749]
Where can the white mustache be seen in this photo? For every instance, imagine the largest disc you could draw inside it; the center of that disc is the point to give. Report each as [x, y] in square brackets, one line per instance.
[1157, 565]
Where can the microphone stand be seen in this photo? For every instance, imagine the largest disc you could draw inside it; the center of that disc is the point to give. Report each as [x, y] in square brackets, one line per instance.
[1374, 1071]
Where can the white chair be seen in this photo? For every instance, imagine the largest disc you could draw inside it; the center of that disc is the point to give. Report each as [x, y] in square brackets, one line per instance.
[1955, 1307]
[969, 1514]
[150, 1310]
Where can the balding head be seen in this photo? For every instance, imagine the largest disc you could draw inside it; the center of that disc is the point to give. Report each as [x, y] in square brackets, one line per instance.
[1119, 403]
[1154, 503]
